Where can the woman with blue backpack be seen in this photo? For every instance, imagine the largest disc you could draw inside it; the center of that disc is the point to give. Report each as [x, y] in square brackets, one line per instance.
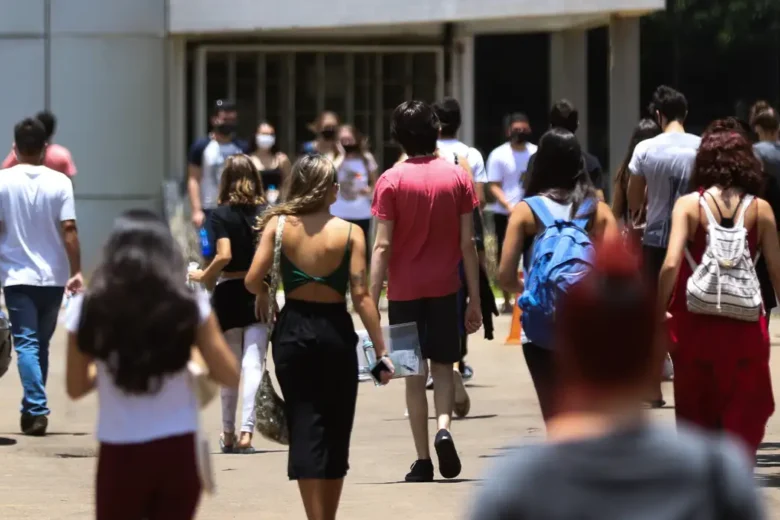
[554, 229]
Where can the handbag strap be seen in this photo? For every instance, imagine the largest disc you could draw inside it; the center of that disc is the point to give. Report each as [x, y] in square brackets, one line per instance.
[274, 279]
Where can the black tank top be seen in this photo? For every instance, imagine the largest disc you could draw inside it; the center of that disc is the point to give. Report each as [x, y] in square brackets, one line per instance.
[272, 177]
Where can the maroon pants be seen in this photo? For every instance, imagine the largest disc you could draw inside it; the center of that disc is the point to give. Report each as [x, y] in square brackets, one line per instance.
[155, 480]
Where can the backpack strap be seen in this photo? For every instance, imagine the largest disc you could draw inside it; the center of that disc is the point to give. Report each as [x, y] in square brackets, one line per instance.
[539, 208]
[584, 213]
[707, 211]
[746, 201]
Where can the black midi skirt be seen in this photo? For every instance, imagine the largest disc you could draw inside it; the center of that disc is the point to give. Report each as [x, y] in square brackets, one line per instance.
[314, 351]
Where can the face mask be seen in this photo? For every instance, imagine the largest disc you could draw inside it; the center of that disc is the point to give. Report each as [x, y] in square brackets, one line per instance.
[519, 136]
[351, 148]
[329, 132]
[226, 128]
[265, 141]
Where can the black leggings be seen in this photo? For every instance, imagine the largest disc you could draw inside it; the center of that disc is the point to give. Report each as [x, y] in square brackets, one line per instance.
[540, 363]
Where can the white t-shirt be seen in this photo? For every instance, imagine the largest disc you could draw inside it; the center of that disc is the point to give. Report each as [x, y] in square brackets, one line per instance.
[353, 177]
[507, 167]
[34, 201]
[131, 419]
[454, 147]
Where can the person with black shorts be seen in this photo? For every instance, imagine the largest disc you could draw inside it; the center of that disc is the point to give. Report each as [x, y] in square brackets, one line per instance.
[423, 233]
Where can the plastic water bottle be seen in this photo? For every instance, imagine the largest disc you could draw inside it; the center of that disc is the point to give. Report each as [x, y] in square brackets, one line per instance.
[273, 194]
[205, 245]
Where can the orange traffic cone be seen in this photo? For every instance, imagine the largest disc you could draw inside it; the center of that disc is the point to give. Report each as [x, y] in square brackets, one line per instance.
[516, 327]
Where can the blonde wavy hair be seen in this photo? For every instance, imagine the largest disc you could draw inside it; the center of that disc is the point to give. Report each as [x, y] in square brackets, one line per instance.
[305, 190]
[240, 184]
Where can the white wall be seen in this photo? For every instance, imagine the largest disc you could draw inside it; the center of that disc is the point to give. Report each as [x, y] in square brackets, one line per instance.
[104, 76]
[203, 16]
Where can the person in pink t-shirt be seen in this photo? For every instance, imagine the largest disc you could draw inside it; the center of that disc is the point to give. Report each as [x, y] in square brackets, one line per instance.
[425, 229]
[56, 157]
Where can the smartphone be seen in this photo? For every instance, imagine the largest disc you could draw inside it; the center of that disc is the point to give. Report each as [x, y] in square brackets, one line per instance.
[376, 372]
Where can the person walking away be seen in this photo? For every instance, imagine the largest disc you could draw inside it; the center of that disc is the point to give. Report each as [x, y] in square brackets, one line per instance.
[645, 129]
[325, 128]
[56, 157]
[716, 309]
[241, 203]
[506, 167]
[206, 159]
[450, 118]
[765, 123]
[660, 171]
[314, 340]
[40, 259]
[601, 439]
[130, 338]
[563, 114]
[425, 227]
[557, 191]
[357, 171]
[273, 164]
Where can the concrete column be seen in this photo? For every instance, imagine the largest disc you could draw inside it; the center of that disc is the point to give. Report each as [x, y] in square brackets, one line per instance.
[466, 45]
[624, 99]
[569, 74]
[109, 89]
[23, 55]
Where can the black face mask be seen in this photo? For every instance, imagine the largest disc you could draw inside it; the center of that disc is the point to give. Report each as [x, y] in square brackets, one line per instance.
[226, 128]
[519, 136]
[350, 148]
[328, 133]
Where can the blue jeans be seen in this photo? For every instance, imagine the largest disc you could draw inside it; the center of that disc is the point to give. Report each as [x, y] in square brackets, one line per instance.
[33, 312]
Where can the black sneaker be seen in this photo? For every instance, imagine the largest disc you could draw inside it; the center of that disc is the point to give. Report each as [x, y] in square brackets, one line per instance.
[34, 425]
[449, 462]
[422, 471]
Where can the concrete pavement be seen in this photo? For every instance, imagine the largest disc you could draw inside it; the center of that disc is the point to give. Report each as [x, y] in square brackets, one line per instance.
[52, 477]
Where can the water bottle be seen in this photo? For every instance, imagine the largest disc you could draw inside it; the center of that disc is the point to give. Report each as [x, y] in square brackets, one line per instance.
[205, 245]
[273, 194]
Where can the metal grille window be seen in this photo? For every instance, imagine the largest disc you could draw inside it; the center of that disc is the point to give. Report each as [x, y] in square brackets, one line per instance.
[290, 86]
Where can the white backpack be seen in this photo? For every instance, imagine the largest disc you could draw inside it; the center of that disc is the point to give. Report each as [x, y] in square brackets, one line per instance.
[725, 282]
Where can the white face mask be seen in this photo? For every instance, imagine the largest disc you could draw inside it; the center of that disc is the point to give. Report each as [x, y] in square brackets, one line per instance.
[265, 141]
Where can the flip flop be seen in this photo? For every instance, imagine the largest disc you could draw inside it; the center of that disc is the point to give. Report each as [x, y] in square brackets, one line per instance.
[249, 450]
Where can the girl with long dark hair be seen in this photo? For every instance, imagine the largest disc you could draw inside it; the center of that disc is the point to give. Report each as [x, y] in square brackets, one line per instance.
[273, 164]
[314, 340]
[722, 379]
[241, 202]
[560, 179]
[131, 337]
[645, 129]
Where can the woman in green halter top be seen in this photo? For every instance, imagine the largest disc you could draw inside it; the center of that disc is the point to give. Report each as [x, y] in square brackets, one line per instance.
[314, 340]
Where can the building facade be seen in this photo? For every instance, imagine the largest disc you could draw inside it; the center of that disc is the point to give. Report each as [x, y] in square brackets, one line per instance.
[131, 81]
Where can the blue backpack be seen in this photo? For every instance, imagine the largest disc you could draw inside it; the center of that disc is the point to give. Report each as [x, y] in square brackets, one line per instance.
[560, 257]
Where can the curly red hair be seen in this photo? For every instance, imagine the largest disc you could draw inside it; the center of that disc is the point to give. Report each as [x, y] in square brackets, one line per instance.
[726, 159]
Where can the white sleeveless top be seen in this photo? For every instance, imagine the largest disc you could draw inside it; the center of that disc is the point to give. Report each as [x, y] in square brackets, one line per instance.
[132, 419]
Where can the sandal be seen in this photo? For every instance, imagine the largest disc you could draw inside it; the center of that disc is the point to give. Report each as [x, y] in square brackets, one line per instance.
[244, 450]
[224, 447]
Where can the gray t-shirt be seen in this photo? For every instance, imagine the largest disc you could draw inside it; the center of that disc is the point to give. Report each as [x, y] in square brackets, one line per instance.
[666, 162]
[648, 473]
[214, 156]
[769, 154]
